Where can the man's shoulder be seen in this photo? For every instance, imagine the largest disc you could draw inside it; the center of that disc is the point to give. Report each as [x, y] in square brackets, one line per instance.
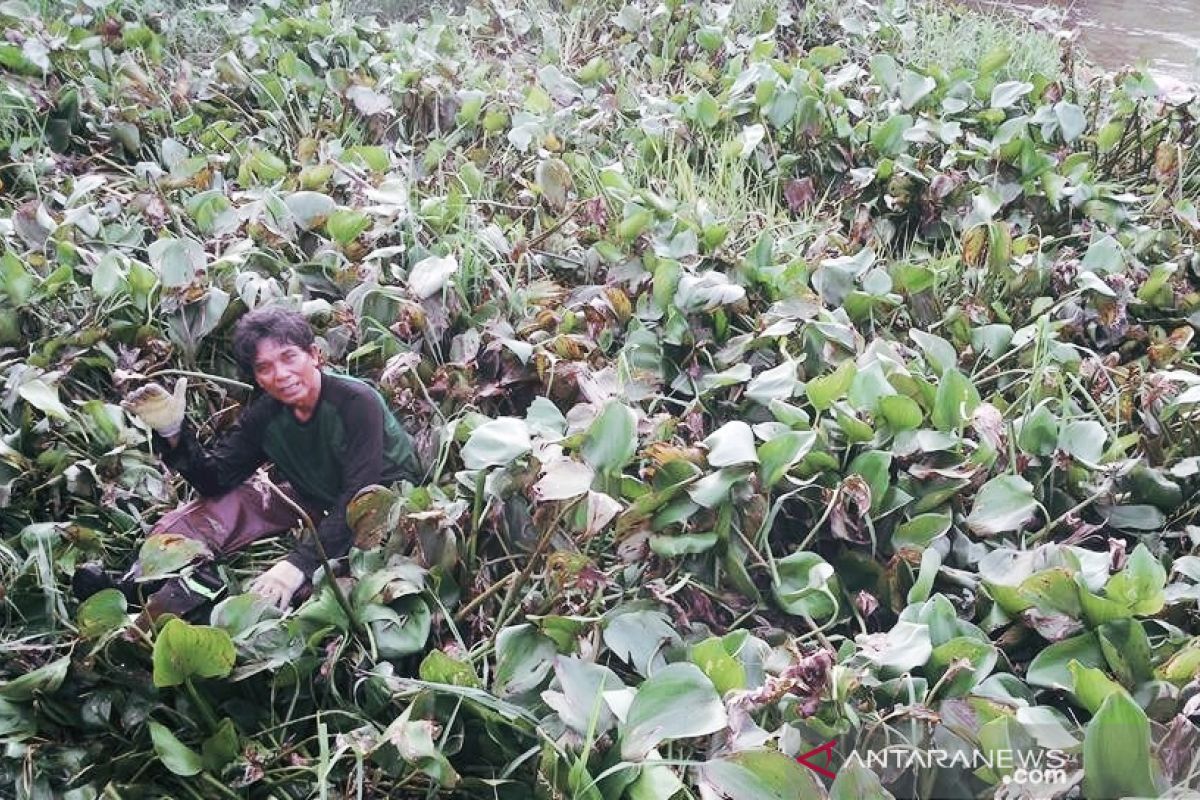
[344, 390]
[260, 408]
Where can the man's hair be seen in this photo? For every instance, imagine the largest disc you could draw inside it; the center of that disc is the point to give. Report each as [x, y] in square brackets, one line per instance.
[268, 324]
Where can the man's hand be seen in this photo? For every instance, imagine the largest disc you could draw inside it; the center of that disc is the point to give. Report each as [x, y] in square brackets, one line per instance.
[161, 410]
[278, 584]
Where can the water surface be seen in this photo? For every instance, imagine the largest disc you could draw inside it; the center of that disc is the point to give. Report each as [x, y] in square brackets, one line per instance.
[1162, 35]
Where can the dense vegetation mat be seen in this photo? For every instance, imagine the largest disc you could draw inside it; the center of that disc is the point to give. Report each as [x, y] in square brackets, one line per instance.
[787, 375]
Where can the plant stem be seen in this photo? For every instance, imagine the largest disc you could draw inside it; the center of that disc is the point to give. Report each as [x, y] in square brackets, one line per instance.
[204, 376]
[206, 711]
[221, 788]
[482, 596]
[338, 594]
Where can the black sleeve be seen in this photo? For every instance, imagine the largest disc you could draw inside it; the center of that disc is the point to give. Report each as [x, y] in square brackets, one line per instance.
[362, 465]
[214, 471]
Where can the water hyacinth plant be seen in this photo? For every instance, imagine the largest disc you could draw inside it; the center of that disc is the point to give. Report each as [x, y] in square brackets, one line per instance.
[784, 384]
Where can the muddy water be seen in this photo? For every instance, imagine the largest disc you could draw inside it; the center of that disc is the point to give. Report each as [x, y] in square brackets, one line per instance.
[1163, 35]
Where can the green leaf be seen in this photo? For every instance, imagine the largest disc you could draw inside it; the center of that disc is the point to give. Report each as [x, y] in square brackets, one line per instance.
[174, 754]
[712, 490]
[980, 655]
[638, 636]
[611, 440]
[524, 657]
[806, 585]
[1091, 686]
[824, 391]
[1109, 135]
[888, 138]
[1116, 751]
[869, 388]
[266, 166]
[345, 225]
[102, 612]
[496, 442]
[1152, 486]
[1083, 440]
[400, 628]
[1104, 256]
[1133, 518]
[875, 468]
[654, 782]
[777, 383]
[855, 781]
[1071, 120]
[719, 665]
[906, 646]
[1003, 504]
[1008, 93]
[183, 651]
[372, 157]
[885, 70]
[902, 413]
[220, 749]
[914, 88]
[731, 444]
[705, 110]
[855, 429]
[1048, 726]
[15, 280]
[636, 220]
[674, 545]
[239, 614]
[920, 531]
[44, 398]
[580, 702]
[176, 261]
[676, 702]
[759, 775]
[781, 453]
[45, 679]
[1139, 587]
[940, 354]
[1127, 650]
[193, 321]
[1052, 590]
[954, 402]
[991, 340]
[413, 739]
[430, 276]
[931, 562]
[164, 554]
[108, 276]
[1051, 667]
[1183, 665]
[1098, 610]
[310, 209]
[437, 667]
[1038, 433]
[782, 108]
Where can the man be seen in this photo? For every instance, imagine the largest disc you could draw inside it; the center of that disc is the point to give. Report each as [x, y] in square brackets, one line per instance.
[328, 435]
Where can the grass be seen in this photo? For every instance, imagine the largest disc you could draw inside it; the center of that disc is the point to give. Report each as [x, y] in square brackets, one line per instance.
[951, 37]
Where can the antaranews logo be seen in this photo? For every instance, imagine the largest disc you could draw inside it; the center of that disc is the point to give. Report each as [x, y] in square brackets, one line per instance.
[825, 750]
[1023, 767]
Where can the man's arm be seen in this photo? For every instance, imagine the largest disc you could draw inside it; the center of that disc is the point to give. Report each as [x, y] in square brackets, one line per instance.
[362, 465]
[216, 470]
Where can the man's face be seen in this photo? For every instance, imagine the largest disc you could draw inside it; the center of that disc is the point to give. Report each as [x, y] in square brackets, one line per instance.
[289, 373]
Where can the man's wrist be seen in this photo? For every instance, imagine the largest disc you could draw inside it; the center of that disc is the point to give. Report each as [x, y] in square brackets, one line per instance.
[171, 432]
